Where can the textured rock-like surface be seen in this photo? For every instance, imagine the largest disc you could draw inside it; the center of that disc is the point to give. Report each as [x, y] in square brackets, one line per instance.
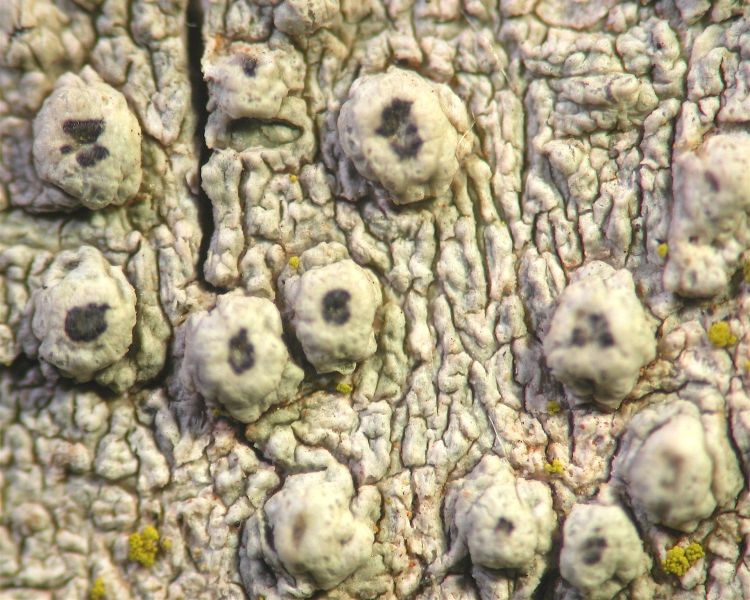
[460, 169]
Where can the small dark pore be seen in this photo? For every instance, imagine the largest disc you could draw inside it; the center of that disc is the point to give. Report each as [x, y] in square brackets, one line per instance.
[84, 131]
[594, 549]
[66, 149]
[90, 156]
[606, 340]
[86, 323]
[298, 528]
[504, 525]
[249, 66]
[404, 137]
[241, 352]
[712, 181]
[336, 306]
[579, 337]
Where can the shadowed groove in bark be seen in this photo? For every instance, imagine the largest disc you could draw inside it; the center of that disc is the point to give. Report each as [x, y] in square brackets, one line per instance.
[199, 96]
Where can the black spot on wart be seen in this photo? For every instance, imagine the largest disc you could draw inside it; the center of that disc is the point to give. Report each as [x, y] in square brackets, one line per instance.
[241, 352]
[90, 156]
[84, 131]
[336, 306]
[504, 525]
[595, 327]
[249, 66]
[66, 149]
[594, 549]
[395, 124]
[86, 323]
[600, 328]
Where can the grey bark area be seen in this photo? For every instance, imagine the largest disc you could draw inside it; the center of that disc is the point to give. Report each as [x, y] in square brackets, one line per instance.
[360, 299]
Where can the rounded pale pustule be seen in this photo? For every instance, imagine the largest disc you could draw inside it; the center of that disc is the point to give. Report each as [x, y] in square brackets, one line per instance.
[502, 533]
[400, 131]
[235, 355]
[670, 477]
[315, 533]
[87, 142]
[601, 550]
[84, 313]
[504, 521]
[599, 336]
[709, 222]
[303, 17]
[334, 310]
[249, 81]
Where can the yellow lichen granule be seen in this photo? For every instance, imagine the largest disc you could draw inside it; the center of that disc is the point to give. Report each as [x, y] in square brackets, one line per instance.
[293, 178]
[676, 562]
[746, 270]
[662, 250]
[694, 552]
[720, 335]
[144, 546]
[679, 559]
[555, 467]
[553, 407]
[344, 388]
[294, 262]
[98, 591]
[166, 544]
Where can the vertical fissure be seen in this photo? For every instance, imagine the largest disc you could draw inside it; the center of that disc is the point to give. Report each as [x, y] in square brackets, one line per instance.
[199, 99]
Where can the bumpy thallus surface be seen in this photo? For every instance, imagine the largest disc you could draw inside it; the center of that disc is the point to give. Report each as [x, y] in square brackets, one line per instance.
[366, 299]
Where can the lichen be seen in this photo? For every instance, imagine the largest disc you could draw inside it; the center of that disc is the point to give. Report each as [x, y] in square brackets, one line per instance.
[720, 335]
[98, 590]
[694, 552]
[680, 559]
[676, 563]
[144, 546]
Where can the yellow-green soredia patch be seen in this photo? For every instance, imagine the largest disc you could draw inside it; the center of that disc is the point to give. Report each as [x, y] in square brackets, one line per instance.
[679, 560]
[694, 552]
[144, 546]
[720, 335]
[98, 591]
